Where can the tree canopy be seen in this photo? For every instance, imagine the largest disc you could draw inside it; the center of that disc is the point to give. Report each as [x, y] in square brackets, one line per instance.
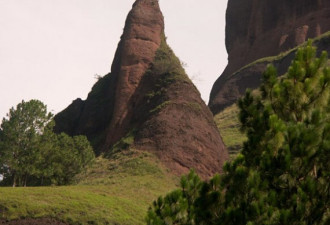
[29, 150]
[282, 175]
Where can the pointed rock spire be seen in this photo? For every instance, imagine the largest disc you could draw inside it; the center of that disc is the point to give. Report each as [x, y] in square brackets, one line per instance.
[148, 99]
[136, 50]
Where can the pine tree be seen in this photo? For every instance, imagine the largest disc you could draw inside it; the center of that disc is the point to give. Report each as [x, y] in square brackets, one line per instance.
[31, 151]
[178, 206]
[282, 175]
[19, 139]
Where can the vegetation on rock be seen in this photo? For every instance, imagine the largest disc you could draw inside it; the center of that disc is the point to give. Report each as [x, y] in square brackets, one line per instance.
[166, 69]
[282, 175]
[173, 121]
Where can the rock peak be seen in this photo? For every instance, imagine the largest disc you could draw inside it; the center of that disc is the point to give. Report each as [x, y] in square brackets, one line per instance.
[136, 50]
[151, 3]
[148, 102]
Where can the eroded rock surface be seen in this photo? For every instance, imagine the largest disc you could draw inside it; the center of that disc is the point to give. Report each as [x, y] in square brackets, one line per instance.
[148, 97]
[104, 117]
[251, 75]
[136, 51]
[259, 28]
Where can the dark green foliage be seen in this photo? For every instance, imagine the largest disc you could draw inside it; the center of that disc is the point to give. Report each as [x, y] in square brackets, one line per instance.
[32, 154]
[19, 139]
[166, 65]
[282, 175]
[62, 157]
[178, 206]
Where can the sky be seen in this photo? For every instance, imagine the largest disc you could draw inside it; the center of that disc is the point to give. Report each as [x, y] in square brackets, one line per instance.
[52, 50]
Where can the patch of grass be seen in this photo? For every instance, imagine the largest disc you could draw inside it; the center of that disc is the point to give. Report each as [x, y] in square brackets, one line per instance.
[324, 35]
[124, 143]
[268, 59]
[167, 65]
[229, 126]
[166, 70]
[160, 106]
[194, 106]
[73, 204]
[111, 191]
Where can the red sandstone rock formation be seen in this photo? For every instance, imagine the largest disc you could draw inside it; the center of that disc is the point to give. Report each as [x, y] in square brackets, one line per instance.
[259, 28]
[148, 95]
[135, 52]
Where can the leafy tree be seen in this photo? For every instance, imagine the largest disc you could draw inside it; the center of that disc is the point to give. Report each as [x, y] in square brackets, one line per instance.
[62, 157]
[19, 139]
[30, 149]
[282, 175]
[70, 157]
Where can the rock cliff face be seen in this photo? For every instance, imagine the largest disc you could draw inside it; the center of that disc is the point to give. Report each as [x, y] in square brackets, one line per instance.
[259, 28]
[135, 52]
[148, 103]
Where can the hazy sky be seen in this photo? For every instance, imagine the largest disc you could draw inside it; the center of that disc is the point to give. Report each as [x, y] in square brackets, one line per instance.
[51, 49]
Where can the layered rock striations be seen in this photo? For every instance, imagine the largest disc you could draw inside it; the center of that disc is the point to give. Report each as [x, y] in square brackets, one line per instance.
[148, 102]
[260, 28]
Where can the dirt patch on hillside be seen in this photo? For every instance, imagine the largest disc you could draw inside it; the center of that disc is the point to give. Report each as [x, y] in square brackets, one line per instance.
[41, 221]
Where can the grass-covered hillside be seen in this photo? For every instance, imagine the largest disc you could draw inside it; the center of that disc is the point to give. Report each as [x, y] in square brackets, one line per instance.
[116, 191]
[229, 126]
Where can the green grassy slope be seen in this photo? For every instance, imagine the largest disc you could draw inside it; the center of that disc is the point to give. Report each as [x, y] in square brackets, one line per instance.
[116, 191]
[229, 126]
